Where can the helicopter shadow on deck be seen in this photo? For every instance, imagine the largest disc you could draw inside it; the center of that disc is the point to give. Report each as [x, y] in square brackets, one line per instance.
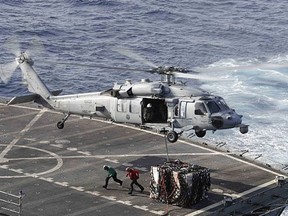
[144, 163]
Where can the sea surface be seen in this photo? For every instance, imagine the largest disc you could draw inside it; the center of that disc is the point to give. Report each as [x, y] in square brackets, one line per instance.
[244, 43]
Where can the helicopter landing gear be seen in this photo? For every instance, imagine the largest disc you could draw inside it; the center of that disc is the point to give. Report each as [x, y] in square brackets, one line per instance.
[172, 136]
[60, 124]
[200, 133]
[244, 129]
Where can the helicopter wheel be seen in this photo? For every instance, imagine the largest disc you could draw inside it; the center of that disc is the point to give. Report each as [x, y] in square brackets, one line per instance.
[200, 133]
[172, 136]
[60, 125]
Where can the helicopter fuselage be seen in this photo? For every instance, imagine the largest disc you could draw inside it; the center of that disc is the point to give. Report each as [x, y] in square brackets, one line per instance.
[130, 105]
[166, 103]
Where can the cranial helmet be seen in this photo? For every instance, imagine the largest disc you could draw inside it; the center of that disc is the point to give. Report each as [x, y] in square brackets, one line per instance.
[149, 105]
[105, 167]
[128, 169]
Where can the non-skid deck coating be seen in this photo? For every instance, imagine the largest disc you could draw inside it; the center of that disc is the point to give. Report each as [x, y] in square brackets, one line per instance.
[60, 171]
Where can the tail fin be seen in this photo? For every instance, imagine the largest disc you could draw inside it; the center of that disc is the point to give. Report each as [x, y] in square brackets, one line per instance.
[35, 84]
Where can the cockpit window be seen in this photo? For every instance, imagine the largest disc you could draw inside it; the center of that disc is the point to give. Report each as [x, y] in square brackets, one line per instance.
[223, 103]
[213, 106]
[201, 107]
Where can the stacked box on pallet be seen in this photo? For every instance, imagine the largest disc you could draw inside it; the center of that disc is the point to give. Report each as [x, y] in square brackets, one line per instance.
[179, 183]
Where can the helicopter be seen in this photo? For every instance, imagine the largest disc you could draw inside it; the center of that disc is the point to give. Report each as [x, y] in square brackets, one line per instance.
[164, 104]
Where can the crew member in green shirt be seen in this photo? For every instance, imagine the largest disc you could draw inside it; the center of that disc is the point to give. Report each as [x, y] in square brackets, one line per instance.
[111, 173]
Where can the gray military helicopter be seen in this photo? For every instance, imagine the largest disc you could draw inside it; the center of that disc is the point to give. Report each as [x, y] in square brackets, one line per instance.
[162, 104]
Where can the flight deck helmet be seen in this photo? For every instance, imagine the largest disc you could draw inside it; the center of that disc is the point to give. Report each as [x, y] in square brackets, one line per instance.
[128, 169]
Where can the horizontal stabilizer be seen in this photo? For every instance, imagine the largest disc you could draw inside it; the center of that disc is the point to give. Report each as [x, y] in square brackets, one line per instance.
[57, 92]
[29, 98]
[22, 99]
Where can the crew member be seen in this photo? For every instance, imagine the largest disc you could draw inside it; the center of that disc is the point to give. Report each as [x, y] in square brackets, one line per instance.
[111, 173]
[134, 176]
[148, 114]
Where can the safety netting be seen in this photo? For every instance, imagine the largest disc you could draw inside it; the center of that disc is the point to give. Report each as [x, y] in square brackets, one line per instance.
[179, 183]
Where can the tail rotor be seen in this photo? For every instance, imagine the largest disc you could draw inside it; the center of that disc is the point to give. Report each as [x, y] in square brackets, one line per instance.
[6, 71]
[12, 45]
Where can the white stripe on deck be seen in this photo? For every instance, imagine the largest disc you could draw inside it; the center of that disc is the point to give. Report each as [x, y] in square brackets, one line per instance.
[21, 134]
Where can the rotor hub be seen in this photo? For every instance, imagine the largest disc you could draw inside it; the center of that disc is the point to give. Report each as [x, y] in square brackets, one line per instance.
[24, 58]
[21, 59]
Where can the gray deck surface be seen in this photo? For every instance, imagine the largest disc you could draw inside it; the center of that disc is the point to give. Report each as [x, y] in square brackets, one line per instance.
[60, 171]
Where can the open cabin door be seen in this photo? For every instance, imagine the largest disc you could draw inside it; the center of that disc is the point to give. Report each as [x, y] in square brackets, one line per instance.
[154, 111]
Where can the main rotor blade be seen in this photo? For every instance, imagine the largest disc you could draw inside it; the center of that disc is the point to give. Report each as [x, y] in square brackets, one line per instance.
[195, 76]
[243, 67]
[97, 66]
[36, 47]
[6, 71]
[12, 44]
[132, 55]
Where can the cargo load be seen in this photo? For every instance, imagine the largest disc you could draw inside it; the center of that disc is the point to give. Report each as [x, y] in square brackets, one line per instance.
[179, 183]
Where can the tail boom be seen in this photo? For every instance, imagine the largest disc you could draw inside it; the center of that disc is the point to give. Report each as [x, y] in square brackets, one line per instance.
[35, 84]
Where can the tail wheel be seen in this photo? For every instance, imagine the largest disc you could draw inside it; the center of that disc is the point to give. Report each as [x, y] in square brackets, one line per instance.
[200, 133]
[60, 125]
[244, 129]
[172, 136]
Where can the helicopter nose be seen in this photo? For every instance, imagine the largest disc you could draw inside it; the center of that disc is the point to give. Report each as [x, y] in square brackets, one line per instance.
[228, 120]
[232, 120]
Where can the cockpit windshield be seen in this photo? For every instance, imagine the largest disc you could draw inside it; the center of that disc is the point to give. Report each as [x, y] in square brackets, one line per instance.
[223, 103]
[213, 106]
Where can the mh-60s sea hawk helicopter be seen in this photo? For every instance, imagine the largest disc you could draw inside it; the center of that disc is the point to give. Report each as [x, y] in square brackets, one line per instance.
[163, 104]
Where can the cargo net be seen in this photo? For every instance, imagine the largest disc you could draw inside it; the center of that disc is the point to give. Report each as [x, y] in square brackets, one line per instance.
[179, 183]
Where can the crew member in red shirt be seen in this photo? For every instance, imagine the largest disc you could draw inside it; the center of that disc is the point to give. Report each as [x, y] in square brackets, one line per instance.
[134, 176]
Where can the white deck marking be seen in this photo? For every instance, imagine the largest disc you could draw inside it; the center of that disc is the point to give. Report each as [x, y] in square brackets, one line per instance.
[64, 184]
[46, 179]
[217, 190]
[77, 188]
[20, 135]
[112, 161]
[57, 145]
[17, 170]
[62, 141]
[52, 157]
[4, 166]
[125, 202]
[84, 153]
[157, 212]
[44, 142]
[144, 208]
[95, 193]
[72, 149]
[112, 198]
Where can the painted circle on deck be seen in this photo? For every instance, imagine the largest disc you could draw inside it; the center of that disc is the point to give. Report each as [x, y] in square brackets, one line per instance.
[50, 156]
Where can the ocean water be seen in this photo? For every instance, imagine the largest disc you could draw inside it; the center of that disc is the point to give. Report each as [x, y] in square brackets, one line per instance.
[242, 42]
